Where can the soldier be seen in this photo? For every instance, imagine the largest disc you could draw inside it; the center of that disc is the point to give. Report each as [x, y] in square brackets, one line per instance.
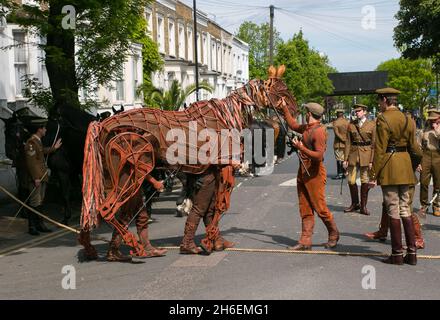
[430, 163]
[204, 199]
[38, 172]
[382, 233]
[340, 126]
[311, 185]
[392, 170]
[359, 152]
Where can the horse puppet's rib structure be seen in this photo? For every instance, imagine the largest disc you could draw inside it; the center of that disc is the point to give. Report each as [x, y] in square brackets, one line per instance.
[121, 152]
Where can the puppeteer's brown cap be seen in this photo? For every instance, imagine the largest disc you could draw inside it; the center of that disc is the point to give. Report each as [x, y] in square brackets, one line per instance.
[315, 108]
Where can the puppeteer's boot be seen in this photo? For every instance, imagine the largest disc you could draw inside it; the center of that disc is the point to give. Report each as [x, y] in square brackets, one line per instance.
[364, 198]
[220, 243]
[354, 193]
[396, 256]
[382, 233]
[410, 237]
[333, 234]
[113, 253]
[145, 241]
[188, 246]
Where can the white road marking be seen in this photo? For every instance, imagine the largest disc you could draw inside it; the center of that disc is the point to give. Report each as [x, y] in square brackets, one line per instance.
[289, 183]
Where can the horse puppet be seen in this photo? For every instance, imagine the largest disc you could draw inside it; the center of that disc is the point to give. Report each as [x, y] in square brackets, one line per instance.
[121, 152]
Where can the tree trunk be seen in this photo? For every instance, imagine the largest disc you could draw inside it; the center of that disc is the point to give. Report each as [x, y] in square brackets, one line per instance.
[60, 59]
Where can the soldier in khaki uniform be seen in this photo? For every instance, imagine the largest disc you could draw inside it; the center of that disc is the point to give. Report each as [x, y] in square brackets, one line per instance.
[392, 170]
[359, 152]
[340, 129]
[430, 163]
[38, 172]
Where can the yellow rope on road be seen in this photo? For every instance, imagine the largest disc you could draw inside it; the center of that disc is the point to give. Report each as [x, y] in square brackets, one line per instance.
[39, 213]
[284, 251]
[314, 252]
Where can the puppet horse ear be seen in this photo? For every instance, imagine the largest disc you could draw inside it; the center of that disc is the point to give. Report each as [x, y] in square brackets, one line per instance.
[272, 72]
[281, 70]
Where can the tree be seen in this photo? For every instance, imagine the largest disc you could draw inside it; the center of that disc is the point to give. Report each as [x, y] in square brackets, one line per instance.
[89, 52]
[414, 78]
[173, 98]
[258, 36]
[306, 70]
[417, 34]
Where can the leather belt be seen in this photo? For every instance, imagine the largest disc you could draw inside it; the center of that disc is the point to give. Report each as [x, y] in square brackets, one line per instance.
[361, 144]
[396, 149]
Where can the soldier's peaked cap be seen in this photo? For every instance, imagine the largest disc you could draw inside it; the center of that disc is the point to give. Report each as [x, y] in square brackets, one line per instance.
[433, 114]
[387, 91]
[38, 122]
[315, 108]
[358, 106]
[340, 111]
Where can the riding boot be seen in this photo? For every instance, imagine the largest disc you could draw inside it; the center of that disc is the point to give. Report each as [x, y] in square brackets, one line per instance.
[364, 199]
[113, 253]
[188, 246]
[420, 242]
[382, 233]
[354, 193]
[333, 234]
[220, 243]
[41, 226]
[396, 256]
[149, 249]
[410, 237]
[32, 223]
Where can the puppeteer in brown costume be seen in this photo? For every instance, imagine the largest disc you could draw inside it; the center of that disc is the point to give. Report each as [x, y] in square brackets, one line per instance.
[311, 185]
[203, 199]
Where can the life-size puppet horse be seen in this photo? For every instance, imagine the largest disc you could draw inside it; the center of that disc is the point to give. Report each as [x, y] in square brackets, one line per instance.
[121, 152]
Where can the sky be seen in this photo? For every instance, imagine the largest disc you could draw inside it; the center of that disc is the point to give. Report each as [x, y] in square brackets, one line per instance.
[356, 35]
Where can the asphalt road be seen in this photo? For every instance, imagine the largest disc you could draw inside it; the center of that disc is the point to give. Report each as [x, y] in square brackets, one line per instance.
[263, 215]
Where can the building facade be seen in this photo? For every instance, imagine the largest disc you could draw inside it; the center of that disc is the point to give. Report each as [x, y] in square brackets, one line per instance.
[222, 58]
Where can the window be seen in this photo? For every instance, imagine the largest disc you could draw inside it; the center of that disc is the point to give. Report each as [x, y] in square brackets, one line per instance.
[205, 50]
[172, 38]
[135, 75]
[190, 45]
[149, 18]
[161, 34]
[213, 57]
[181, 44]
[19, 61]
[199, 49]
[120, 96]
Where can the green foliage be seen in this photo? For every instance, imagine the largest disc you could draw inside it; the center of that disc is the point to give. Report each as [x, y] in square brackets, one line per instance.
[417, 34]
[173, 98]
[257, 36]
[306, 70]
[413, 78]
[103, 34]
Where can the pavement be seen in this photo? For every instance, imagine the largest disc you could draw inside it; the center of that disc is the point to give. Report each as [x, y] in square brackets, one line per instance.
[263, 215]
